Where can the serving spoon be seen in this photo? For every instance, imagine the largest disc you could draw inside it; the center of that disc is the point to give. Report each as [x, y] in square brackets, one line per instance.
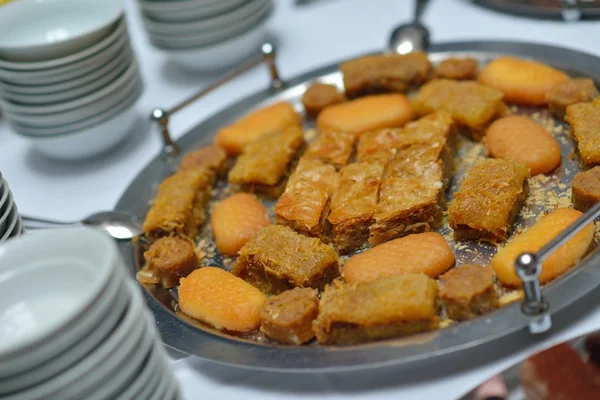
[118, 224]
[412, 36]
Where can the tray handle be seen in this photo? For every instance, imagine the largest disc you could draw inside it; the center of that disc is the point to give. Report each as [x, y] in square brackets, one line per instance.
[161, 116]
[529, 266]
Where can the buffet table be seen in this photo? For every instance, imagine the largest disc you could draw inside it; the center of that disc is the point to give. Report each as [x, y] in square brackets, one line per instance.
[306, 36]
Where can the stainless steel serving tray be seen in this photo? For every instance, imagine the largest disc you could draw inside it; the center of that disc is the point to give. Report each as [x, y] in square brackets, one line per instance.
[416, 350]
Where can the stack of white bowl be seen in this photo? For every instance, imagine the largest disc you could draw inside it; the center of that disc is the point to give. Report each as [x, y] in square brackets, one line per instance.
[69, 79]
[73, 325]
[206, 34]
[10, 220]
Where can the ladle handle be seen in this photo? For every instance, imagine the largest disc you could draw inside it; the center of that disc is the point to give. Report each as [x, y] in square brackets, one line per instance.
[419, 9]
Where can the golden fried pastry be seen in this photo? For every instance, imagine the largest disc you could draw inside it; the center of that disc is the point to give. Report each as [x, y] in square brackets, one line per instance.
[584, 119]
[586, 189]
[278, 259]
[460, 69]
[255, 125]
[536, 237]
[220, 299]
[288, 317]
[304, 205]
[320, 95]
[212, 157]
[488, 201]
[572, 91]
[353, 204]
[470, 104]
[167, 260]
[178, 208]
[426, 253]
[379, 145]
[384, 308]
[331, 147]
[522, 81]
[385, 73]
[468, 291]
[366, 114]
[519, 139]
[265, 164]
[235, 220]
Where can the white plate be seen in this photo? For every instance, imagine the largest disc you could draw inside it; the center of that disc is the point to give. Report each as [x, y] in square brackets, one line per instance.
[103, 359]
[184, 41]
[111, 307]
[201, 11]
[75, 262]
[168, 6]
[6, 204]
[34, 30]
[66, 72]
[109, 100]
[123, 57]
[234, 17]
[220, 55]
[81, 126]
[147, 375]
[13, 220]
[115, 68]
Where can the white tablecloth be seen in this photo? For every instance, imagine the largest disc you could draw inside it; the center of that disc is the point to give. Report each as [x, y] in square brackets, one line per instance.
[307, 37]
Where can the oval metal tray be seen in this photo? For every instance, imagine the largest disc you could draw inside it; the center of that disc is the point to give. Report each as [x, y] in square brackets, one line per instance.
[185, 335]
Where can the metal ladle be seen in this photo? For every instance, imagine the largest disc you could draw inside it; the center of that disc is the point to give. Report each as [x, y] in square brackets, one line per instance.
[412, 36]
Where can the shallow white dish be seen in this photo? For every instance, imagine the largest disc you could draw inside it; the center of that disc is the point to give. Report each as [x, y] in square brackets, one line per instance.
[12, 224]
[182, 41]
[147, 375]
[68, 71]
[123, 57]
[6, 205]
[200, 10]
[30, 314]
[119, 30]
[233, 17]
[35, 30]
[116, 67]
[221, 55]
[167, 6]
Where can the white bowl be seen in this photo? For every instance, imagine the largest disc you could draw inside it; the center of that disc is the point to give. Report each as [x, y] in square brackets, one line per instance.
[233, 17]
[201, 10]
[89, 141]
[6, 205]
[109, 309]
[123, 57]
[76, 263]
[169, 6]
[182, 41]
[68, 71]
[221, 55]
[114, 68]
[35, 30]
[12, 224]
[146, 376]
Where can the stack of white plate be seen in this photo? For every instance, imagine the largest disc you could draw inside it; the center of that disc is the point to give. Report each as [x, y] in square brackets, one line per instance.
[206, 34]
[73, 326]
[69, 79]
[10, 220]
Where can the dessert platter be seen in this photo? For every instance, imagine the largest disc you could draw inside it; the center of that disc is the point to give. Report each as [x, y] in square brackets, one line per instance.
[371, 212]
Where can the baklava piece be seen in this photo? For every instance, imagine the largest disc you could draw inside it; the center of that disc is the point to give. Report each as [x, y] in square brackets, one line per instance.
[468, 291]
[366, 114]
[573, 91]
[586, 189]
[379, 145]
[320, 95]
[460, 69]
[384, 308]
[288, 317]
[212, 158]
[278, 259]
[178, 208]
[259, 123]
[332, 148]
[488, 201]
[584, 119]
[167, 260]
[265, 164]
[471, 105]
[385, 73]
[353, 204]
[304, 205]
